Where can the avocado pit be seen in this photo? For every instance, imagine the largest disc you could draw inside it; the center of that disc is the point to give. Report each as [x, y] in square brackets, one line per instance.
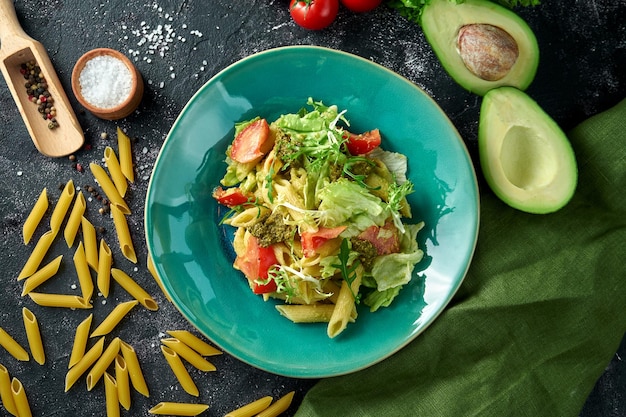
[488, 51]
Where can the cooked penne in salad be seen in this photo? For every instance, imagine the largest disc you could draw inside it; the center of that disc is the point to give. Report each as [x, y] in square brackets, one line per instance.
[320, 214]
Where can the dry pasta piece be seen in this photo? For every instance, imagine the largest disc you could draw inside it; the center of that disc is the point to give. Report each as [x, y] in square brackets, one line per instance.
[90, 243]
[80, 341]
[33, 334]
[313, 313]
[134, 289]
[123, 382]
[60, 209]
[42, 275]
[36, 256]
[108, 187]
[251, 409]
[188, 354]
[103, 362]
[119, 180]
[280, 406]
[123, 234]
[134, 369]
[6, 395]
[152, 270]
[178, 409]
[11, 346]
[126, 156]
[105, 260]
[83, 364]
[345, 305]
[73, 222]
[82, 270]
[194, 342]
[111, 396]
[35, 216]
[177, 366]
[113, 319]
[59, 300]
[19, 397]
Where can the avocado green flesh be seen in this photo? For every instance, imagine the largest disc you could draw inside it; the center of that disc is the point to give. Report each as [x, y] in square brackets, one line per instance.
[526, 158]
[441, 21]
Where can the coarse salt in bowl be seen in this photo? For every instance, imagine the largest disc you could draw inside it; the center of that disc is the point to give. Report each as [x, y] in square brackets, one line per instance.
[107, 84]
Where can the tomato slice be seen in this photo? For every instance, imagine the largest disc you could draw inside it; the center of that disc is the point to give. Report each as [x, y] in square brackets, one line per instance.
[255, 264]
[363, 143]
[252, 143]
[230, 197]
[385, 239]
[311, 241]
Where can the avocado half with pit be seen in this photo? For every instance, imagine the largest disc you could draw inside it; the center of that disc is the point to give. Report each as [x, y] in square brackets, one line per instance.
[526, 158]
[481, 44]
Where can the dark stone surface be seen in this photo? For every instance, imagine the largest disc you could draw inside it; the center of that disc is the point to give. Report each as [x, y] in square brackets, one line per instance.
[581, 72]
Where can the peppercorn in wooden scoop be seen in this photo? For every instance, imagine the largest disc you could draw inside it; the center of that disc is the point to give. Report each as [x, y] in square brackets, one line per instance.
[36, 89]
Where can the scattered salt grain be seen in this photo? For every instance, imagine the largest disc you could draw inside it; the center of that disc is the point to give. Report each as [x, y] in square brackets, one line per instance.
[105, 81]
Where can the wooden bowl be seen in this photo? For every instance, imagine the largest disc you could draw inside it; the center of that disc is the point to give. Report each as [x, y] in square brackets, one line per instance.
[125, 106]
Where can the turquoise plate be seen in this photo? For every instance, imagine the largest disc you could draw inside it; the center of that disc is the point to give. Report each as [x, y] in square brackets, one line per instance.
[192, 252]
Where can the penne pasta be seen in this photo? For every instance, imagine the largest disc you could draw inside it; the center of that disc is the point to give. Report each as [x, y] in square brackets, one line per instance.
[34, 217]
[41, 275]
[103, 362]
[119, 180]
[123, 234]
[280, 406]
[61, 207]
[113, 319]
[73, 222]
[83, 364]
[181, 373]
[33, 334]
[251, 409]
[19, 398]
[108, 187]
[111, 396]
[303, 313]
[134, 369]
[105, 260]
[80, 341]
[152, 270]
[188, 354]
[59, 300]
[345, 305]
[90, 243]
[123, 382]
[11, 346]
[126, 156]
[36, 256]
[194, 342]
[134, 289]
[84, 275]
[6, 395]
[178, 409]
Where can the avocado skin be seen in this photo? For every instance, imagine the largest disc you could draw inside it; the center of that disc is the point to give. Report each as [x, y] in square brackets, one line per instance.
[525, 156]
[441, 21]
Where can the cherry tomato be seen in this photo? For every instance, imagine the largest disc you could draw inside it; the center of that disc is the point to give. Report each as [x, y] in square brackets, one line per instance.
[311, 241]
[255, 264]
[314, 14]
[252, 142]
[363, 143]
[385, 239]
[230, 197]
[361, 6]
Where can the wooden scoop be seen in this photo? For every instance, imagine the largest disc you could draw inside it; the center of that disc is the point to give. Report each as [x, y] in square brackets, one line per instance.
[17, 48]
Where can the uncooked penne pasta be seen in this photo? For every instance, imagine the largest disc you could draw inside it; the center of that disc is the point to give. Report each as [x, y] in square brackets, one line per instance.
[11, 346]
[134, 289]
[111, 396]
[119, 180]
[35, 216]
[126, 156]
[73, 222]
[251, 409]
[178, 409]
[59, 300]
[6, 395]
[108, 187]
[188, 354]
[105, 260]
[61, 207]
[84, 275]
[33, 334]
[36, 256]
[19, 397]
[194, 342]
[280, 406]
[123, 382]
[134, 369]
[307, 313]
[81, 336]
[83, 364]
[152, 270]
[181, 373]
[42, 275]
[345, 305]
[113, 319]
[103, 362]
[90, 243]
[123, 234]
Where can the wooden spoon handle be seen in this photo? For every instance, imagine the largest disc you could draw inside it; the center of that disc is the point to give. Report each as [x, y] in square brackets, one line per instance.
[10, 27]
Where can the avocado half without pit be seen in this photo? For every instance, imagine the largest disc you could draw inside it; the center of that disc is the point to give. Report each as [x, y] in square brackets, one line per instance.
[526, 158]
[481, 44]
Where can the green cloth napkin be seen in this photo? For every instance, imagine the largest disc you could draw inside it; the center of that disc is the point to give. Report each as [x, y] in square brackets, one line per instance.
[537, 319]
